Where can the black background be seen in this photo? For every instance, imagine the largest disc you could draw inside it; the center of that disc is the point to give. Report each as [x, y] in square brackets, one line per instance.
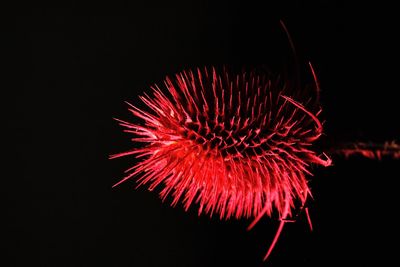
[73, 66]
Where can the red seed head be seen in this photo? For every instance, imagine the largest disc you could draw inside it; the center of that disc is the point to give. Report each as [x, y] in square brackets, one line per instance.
[236, 145]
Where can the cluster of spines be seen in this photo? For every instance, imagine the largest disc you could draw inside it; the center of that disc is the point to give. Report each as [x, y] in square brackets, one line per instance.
[237, 145]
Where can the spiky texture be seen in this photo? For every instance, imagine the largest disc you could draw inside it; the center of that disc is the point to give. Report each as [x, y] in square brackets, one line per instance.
[235, 144]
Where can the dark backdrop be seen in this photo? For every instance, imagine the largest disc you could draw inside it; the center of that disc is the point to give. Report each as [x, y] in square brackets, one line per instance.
[73, 66]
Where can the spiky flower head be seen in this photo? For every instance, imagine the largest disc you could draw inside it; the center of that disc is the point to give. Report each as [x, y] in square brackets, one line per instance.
[238, 145]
